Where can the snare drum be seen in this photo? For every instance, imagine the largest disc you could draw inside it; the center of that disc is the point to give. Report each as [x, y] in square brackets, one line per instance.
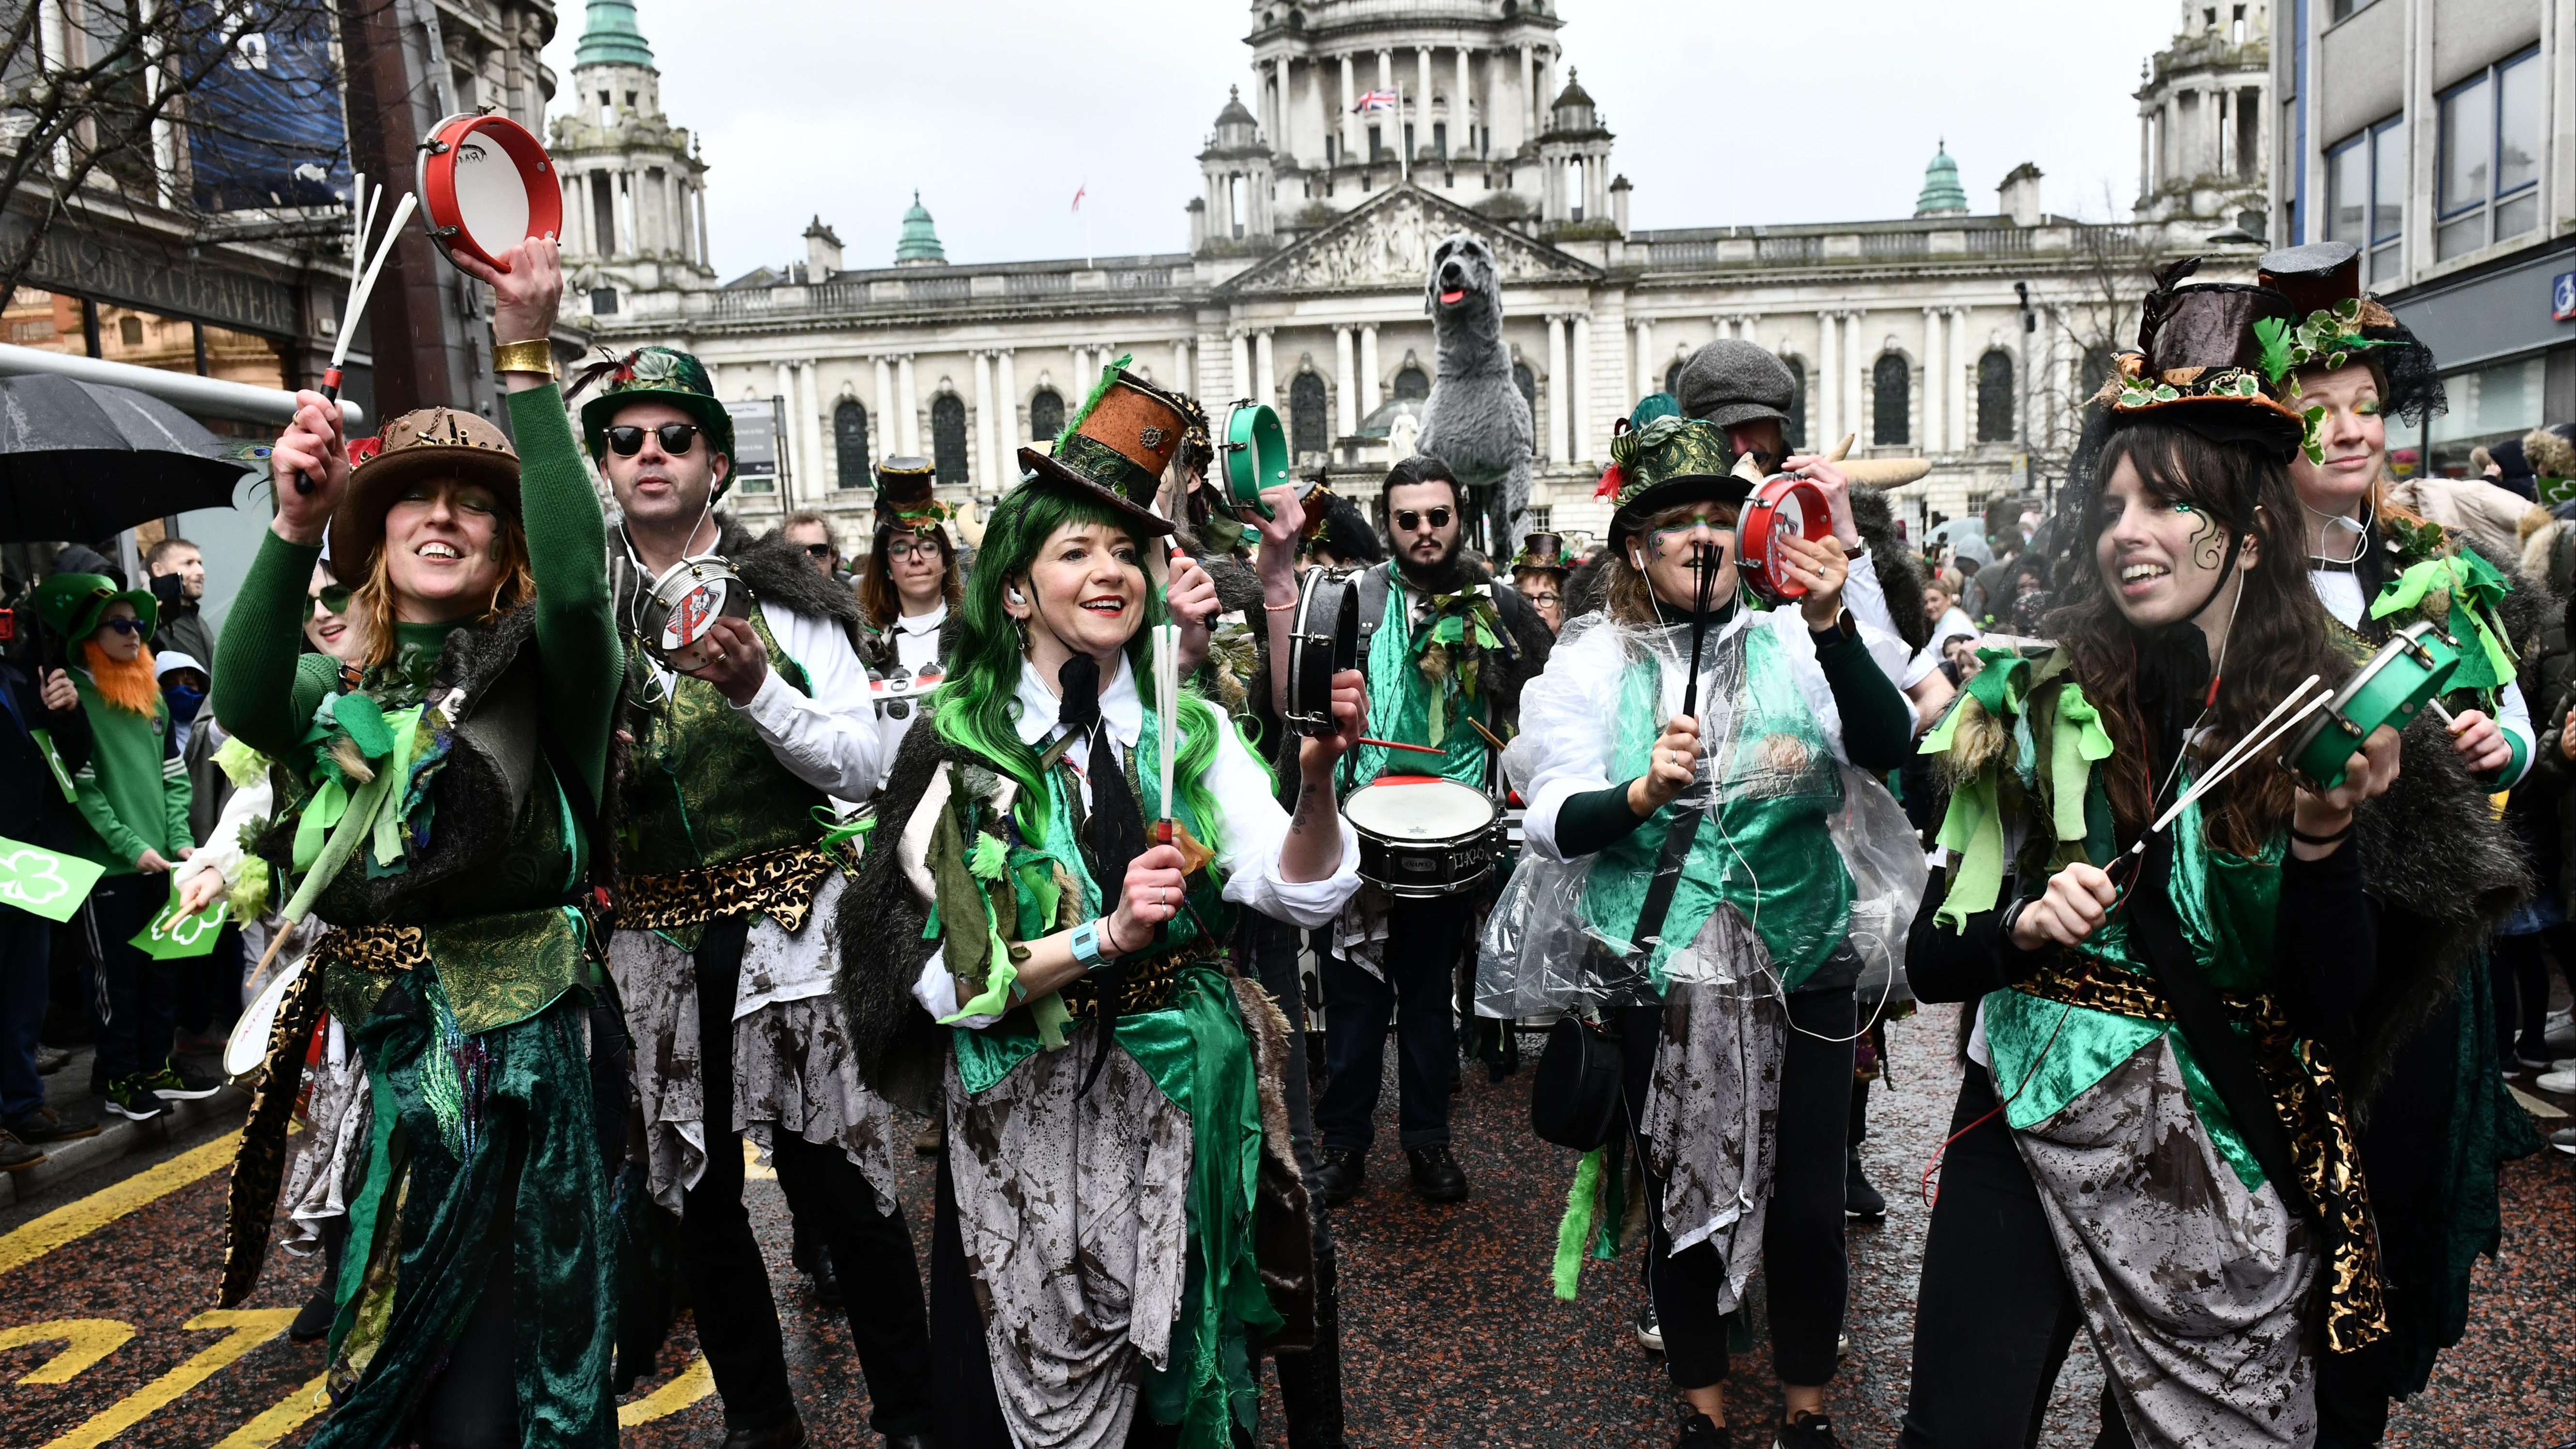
[1421, 836]
[1324, 641]
[1786, 506]
[2408, 670]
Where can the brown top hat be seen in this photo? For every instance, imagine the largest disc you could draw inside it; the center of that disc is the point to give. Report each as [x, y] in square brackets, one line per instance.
[430, 443]
[1117, 446]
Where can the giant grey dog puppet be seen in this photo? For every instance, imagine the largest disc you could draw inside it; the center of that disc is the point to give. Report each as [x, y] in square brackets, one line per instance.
[1476, 420]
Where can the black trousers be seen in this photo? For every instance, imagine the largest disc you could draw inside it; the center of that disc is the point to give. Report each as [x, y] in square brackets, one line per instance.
[1802, 1238]
[2521, 976]
[1422, 948]
[134, 1000]
[1310, 1383]
[721, 1260]
[1995, 1315]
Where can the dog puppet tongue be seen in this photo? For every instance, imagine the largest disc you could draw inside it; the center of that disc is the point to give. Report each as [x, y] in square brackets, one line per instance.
[1450, 299]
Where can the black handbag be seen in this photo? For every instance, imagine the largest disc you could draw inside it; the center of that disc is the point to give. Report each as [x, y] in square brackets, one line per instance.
[1574, 1096]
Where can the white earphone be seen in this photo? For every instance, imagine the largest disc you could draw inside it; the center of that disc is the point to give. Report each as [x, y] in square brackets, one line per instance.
[1012, 593]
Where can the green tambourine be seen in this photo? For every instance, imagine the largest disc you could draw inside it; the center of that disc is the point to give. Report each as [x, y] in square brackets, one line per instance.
[1255, 453]
[2408, 670]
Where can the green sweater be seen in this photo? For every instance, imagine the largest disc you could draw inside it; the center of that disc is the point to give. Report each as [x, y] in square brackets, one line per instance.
[266, 689]
[133, 793]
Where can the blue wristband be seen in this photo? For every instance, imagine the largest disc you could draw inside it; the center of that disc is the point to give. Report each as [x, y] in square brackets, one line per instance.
[1086, 946]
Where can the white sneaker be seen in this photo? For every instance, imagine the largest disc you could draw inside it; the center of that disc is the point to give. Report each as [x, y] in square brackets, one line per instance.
[2559, 1031]
[1650, 1333]
[2562, 1081]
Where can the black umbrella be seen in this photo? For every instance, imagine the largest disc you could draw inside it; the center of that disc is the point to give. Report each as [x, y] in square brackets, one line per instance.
[84, 460]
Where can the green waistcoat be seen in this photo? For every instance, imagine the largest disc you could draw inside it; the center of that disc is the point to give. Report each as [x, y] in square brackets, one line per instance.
[702, 787]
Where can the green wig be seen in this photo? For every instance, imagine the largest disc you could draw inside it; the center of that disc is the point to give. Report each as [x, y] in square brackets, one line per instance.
[979, 700]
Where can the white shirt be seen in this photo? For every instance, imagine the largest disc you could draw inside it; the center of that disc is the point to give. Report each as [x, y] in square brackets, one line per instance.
[2340, 592]
[916, 637]
[1867, 600]
[1250, 826]
[827, 738]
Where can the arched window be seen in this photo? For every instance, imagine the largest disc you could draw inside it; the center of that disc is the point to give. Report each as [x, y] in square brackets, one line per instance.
[1412, 382]
[1308, 432]
[1673, 378]
[1891, 400]
[948, 437]
[1995, 397]
[1046, 415]
[1794, 431]
[850, 442]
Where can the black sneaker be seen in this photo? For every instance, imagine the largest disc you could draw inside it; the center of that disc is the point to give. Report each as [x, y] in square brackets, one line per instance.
[1699, 1431]
[1860, 1200]
[1436, 1174]
[131, 1097]
[313, 1321]
[17, 1156]
[827, 1283]
[179, 1082]
[47, 1125]
[1650, 1330]
[1340, 1175]
[1816, 1431]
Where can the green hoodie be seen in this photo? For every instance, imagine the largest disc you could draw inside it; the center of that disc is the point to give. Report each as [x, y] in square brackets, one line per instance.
[133, 794]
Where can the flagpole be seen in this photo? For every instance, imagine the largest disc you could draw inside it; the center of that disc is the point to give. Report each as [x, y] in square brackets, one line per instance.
[1403, 150]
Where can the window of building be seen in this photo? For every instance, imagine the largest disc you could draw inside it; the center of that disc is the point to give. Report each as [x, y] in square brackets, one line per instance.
[603, 215]
[1440, 139]
[2366, 195]
[1377, 144]
[1542, 518]
[2487, 170]
[1412, 382]
[2346, 9]
[603, 301]
[1308, 431]
[1995, 397]
[2486, 407]
[1794, 431]
[1891, 401]
[948, 438]
[2094, 371]
[850, 442]
[1046, 415]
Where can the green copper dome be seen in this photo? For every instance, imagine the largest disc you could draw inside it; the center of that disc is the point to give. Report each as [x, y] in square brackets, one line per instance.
[610, 37]
[1942, 194]
[920, 242]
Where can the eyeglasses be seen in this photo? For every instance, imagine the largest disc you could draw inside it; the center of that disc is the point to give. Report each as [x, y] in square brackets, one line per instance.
[907, 548]
[122, 626]
[818, 550]
[626, 439]
[333, 599]
[1411, 522]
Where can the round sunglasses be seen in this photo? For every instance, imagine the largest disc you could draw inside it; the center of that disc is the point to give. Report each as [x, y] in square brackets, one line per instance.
[1409, 521]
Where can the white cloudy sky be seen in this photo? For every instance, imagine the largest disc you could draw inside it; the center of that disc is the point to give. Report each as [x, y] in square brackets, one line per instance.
[1727, 111]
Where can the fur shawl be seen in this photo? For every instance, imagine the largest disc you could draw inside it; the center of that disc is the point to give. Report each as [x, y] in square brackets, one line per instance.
[894, 1042]
[1900, 575]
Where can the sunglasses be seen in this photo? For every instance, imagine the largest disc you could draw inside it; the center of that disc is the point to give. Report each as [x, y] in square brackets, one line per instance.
[818, 550]
[1410, 521]
[626, 439]
[122, 626]
[334, 599]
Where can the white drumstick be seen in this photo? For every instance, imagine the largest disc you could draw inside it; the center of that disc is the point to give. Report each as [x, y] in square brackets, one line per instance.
[2287, 700]
[2203, 785]
[1167, 699]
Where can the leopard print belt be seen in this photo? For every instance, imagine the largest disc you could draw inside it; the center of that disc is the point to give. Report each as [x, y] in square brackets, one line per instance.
[1145, 985]
[2311, 1109]
[376, 950]
[779, 884]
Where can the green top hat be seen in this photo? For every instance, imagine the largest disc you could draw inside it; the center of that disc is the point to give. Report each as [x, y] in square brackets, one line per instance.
[654, 374]
[1116, 446]
[905, 502]
[71, 603]
[1669, 461]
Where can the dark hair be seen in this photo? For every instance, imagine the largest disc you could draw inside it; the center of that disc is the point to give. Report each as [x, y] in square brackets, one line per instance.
[2278, 635]
[153, 556]
[1347, 535]
[877, 596]
[1420, 468]
[1626, 596]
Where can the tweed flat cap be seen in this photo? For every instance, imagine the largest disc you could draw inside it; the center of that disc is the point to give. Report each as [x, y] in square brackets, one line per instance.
[1732, 381]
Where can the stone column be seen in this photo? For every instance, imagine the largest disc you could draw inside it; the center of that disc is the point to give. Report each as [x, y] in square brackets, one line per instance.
[1646, 380]
[908, 406]
[1239, 383]
[1581, 426]
[1936, 430]
[700, 194]
[1342, 121]
[1006, 391]
[1963, 380]
[809, 427]
[1180, 367]
[1385, 72]
[790, 438]
[1346, 384]
[1265, 385]
[879, 439]
[1825, 383]
[1556, 390]
[1856, 364]
[987, 437]
[1529, 93]
[1418, 110]
[1368, 370]
[1462, 126]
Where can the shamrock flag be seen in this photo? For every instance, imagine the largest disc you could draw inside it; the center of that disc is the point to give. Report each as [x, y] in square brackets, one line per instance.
[173, 937]
[44, 882]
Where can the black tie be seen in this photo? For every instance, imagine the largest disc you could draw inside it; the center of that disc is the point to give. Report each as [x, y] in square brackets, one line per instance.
[1115, 831]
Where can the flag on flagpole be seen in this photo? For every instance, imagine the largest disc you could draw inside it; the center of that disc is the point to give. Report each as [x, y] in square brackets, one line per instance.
[1375, 101]
[1080, 192]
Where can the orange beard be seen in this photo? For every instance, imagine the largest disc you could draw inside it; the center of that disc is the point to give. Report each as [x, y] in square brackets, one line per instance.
[128, 686]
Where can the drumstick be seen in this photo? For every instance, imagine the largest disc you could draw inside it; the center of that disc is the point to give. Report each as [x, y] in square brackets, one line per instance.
[2450, 721]
[363, 285]
[1167, 699]
[2207, 782]
[1490, 737]
[1400, 745]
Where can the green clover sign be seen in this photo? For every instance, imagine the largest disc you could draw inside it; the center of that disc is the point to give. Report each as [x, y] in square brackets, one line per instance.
[43, 882]
[173, 937]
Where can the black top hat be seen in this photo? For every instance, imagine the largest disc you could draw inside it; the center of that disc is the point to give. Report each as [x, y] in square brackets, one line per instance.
[2206, 359]
[2323, 281]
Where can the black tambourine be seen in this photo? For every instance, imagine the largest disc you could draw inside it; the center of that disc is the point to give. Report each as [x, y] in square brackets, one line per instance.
[1323, 641]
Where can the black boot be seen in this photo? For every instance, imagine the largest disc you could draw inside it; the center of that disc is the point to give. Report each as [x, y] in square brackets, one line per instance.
[827, 1283]
[1701, 1432]
[1436, 1174]
[1343, 1172]
[1861, 1200]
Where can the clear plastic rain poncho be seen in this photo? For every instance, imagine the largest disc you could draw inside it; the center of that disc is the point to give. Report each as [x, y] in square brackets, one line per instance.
[1772, 772]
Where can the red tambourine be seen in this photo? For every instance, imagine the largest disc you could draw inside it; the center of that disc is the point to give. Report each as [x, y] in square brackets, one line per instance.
[487, 184]
[1786, 506]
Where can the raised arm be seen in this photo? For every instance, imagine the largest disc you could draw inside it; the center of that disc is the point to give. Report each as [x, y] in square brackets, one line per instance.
[263, 692]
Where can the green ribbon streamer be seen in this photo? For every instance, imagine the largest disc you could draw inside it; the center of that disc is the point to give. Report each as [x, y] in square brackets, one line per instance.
[1576, 1228]
[1974, 828]
[2475, 588]
[1000, 975]
[343, 843]
[835, 831]
[2075, 743]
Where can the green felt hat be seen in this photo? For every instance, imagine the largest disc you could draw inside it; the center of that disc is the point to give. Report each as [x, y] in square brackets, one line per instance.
[1116, 446]
[653, 374]
[1668, 461]
[71, 603]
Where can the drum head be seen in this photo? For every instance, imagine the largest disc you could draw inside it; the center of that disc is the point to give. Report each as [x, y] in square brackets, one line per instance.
[1419, 810]
[684, 605]
[491, 187]
[1786, 506]
[1256, 457]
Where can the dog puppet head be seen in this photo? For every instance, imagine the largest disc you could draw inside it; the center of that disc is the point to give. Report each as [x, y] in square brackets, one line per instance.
[1463, 294]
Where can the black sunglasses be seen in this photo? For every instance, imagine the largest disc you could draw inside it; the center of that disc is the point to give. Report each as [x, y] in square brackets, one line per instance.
[1408, 520]
[626, 440]
[818, 550]
[122, 626]
[333, 598]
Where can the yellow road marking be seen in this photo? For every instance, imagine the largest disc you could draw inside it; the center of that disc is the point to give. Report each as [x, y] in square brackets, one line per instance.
[91, 1339]
[281, 1418]
[249, 1328]
[75, 1220]
[752, 1168]
[2536, 1107]
[685, 1388]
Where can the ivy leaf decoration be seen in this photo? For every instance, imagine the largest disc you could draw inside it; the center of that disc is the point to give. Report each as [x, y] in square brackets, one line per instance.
[2166, 392]
[2309, 442]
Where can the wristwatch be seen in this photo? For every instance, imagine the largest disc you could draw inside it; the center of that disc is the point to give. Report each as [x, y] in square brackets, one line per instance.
[1086, 946]
[1840, 629]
